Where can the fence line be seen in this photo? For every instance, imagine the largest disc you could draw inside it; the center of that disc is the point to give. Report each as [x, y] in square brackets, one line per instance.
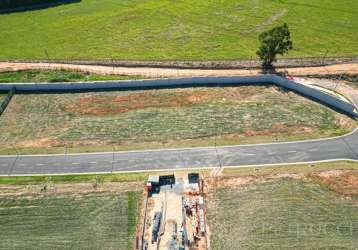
[305, 90]
[248, 63]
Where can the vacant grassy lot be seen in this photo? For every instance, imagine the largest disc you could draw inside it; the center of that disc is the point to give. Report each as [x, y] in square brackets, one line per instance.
[313, 212]
[56, 76]
[76, 219]
[183, 29]
[163, 118]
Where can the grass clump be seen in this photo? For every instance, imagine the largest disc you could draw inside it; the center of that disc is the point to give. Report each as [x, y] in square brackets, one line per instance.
[57, 76]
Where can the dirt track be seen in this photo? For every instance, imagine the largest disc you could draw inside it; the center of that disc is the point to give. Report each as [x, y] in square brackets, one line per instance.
[170, 72]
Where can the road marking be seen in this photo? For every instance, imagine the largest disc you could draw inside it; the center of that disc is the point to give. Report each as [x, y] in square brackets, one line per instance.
[4, 165]
[292, 151]
[93, 162]
[75, 163]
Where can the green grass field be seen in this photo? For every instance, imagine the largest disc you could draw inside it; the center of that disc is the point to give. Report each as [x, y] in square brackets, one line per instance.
[282, 214]
[56, 76]
[94, 220]
[183, 29]
[103, 121]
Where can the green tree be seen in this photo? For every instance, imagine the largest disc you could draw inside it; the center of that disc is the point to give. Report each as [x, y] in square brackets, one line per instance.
[276, 41]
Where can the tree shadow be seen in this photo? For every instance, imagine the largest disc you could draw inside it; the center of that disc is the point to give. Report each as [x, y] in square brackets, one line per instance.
[4, 9]
[269, 69]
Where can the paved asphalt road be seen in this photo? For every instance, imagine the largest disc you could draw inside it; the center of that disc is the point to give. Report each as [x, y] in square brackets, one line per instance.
[345, 147]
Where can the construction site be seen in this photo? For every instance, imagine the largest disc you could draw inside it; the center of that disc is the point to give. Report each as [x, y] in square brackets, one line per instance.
[174, 213]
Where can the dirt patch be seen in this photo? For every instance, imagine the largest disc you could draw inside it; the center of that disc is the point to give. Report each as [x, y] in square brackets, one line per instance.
[240, 181]
[108, 105]
[330, 173]
[340, 181]
[224, 182]
[101, 105]
[70, 188]
[344, 182]
[346, 122]
[42, 142]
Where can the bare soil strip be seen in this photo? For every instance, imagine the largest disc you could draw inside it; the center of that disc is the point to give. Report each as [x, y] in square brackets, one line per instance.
[207, 64]
[153, 72]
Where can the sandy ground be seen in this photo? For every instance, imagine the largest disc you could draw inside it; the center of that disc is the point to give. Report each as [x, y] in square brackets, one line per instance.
[171, 72]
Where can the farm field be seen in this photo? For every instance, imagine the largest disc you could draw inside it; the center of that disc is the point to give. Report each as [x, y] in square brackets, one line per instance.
[167, 30]
[317, 210]
[72, 216]
[142, 119]
[56, 76]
